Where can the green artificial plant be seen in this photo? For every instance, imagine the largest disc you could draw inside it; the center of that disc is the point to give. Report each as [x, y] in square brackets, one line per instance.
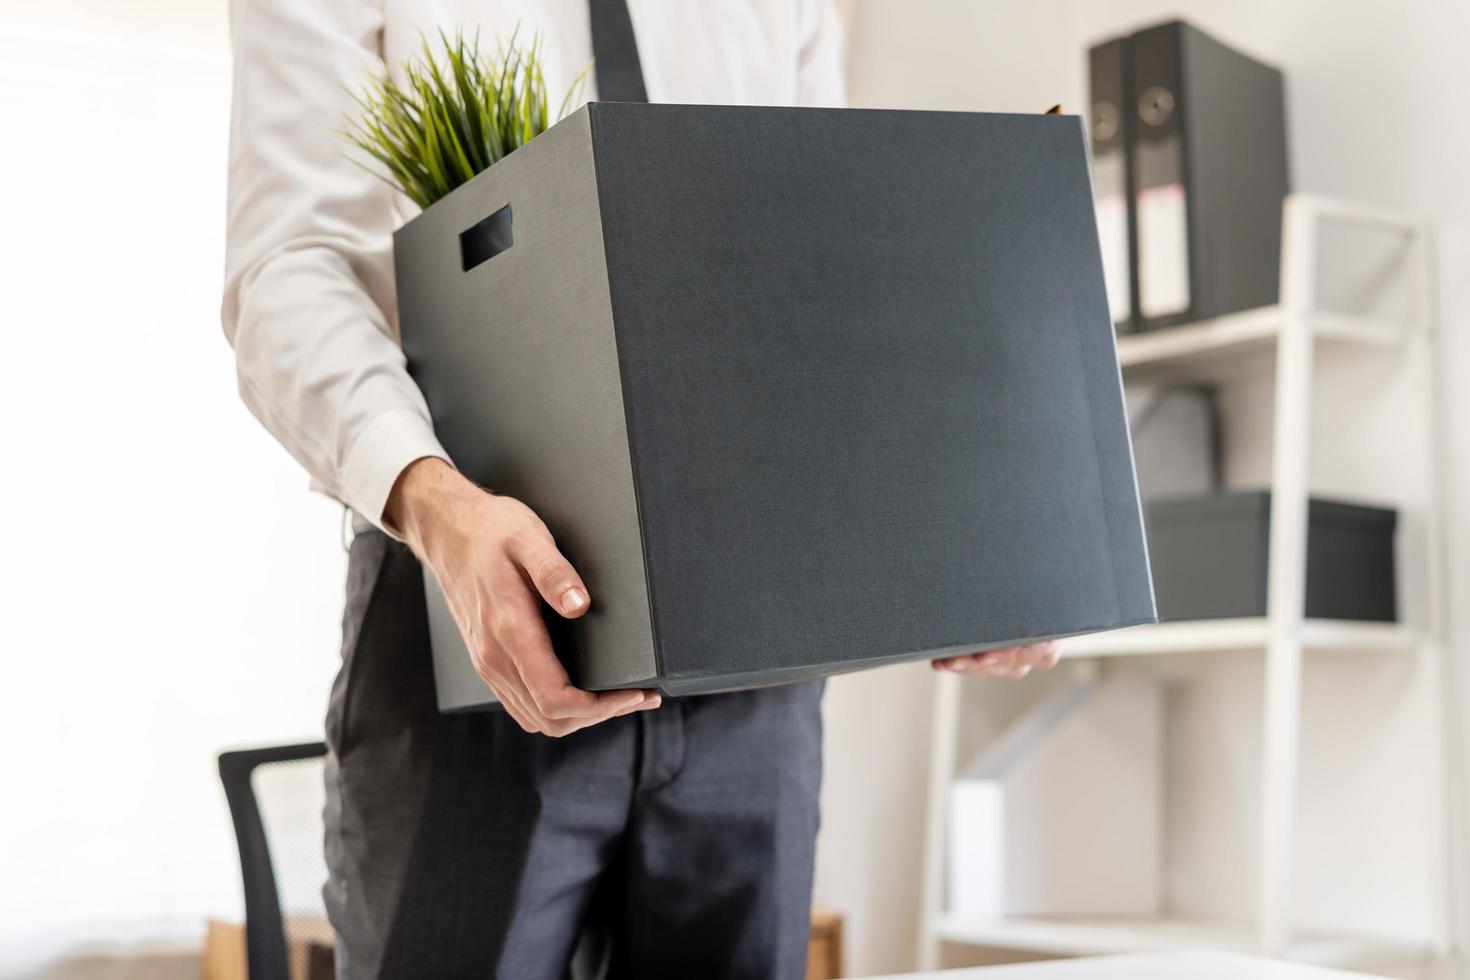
[453, 116]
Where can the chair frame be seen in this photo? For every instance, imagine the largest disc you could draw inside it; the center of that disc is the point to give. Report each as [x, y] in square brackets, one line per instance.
[265, 928]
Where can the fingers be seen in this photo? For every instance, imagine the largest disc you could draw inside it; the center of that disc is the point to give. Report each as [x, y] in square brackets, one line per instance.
[495, 669]
[651, 700]
[497, 569]
[545, 713]
[991, 663]
[552, 704]
[551, 574]
[1009, 662]
[555, 706]
[513, 697]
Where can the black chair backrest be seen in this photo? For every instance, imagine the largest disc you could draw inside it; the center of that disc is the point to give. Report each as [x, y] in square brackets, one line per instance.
[265, 927]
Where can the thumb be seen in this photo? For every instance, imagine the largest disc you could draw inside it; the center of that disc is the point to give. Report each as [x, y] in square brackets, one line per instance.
[555, 578]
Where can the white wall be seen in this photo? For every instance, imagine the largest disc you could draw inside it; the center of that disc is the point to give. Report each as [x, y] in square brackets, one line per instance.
[1368, 121]
[170, 586]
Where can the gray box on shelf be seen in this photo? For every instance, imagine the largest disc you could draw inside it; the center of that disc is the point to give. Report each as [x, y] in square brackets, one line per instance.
[1176, 440]
[1209, 557]
[797, 390]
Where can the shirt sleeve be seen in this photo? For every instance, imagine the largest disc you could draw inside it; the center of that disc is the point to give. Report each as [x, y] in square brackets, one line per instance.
[309, 304]
[820, 73]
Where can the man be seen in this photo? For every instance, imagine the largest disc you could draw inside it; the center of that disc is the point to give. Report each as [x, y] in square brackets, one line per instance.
[474, 844]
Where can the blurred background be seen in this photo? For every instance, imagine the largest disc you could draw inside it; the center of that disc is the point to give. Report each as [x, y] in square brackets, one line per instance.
[174, 590]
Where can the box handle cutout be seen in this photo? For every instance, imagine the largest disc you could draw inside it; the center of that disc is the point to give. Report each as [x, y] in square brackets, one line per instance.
[486, 239]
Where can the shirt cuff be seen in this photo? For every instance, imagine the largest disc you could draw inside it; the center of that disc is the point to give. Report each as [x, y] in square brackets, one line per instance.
[382, 451]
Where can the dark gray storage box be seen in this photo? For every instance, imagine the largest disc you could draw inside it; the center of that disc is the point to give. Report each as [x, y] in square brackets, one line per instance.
[1209, 558]
[1176, 440]
[797, 390]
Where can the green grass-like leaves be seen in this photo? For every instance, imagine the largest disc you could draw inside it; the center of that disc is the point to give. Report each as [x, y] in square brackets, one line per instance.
[453, 117]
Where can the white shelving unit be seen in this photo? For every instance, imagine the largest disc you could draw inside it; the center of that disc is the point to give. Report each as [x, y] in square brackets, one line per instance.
[1220, 635]
[1292, 331]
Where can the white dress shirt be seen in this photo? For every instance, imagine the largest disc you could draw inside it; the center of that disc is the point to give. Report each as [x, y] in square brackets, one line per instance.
[309, 303]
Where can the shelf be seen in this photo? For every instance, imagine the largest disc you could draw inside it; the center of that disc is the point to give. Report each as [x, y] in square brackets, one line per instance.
[1265, 348]
[1097, 937]
[1214, 635]
[1210, 343]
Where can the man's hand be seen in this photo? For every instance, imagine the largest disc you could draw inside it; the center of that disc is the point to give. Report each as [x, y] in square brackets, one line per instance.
[1012, 662]
[495, 561]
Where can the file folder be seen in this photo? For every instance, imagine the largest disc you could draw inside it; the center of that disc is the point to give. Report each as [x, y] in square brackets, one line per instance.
[1202, 129]
[1210, 172]
[1111, 122]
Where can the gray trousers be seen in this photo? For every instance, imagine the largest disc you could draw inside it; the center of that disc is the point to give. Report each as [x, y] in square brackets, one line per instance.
[459, 845]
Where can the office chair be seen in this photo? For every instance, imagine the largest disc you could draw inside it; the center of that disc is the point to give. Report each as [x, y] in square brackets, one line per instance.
[275, 796]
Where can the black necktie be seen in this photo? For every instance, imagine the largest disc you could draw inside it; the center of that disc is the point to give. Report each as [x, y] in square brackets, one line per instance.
[615, 50]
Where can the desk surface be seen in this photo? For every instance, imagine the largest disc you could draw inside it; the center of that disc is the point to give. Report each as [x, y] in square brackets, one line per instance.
[1145, 966]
